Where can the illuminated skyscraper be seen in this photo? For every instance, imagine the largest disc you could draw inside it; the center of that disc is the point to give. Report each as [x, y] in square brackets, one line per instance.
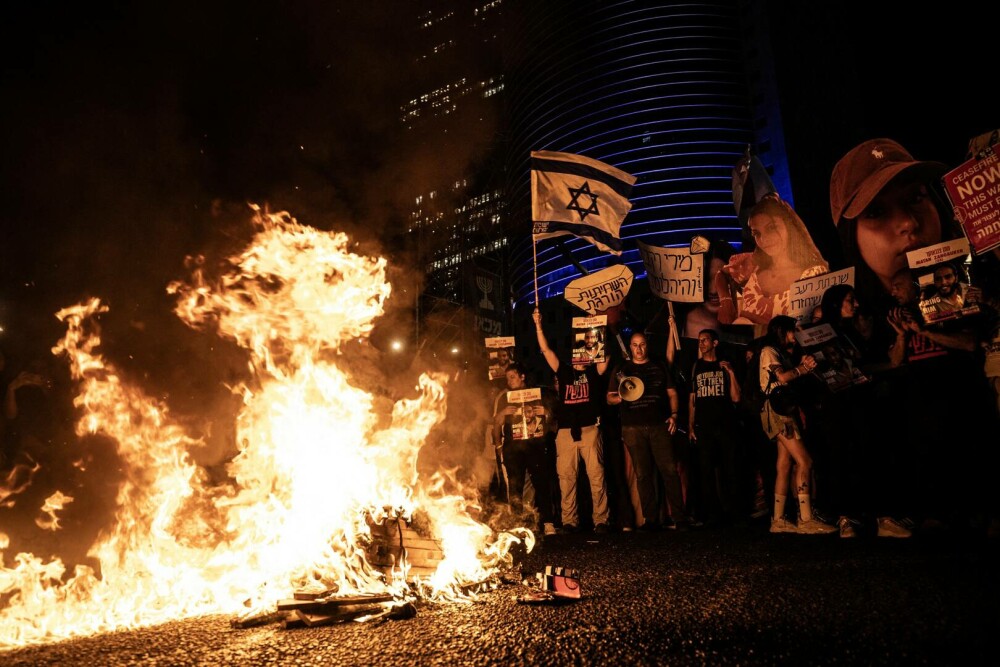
[671, 92]
[660, 90]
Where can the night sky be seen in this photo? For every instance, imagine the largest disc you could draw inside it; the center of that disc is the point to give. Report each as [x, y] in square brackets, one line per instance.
[135, 135]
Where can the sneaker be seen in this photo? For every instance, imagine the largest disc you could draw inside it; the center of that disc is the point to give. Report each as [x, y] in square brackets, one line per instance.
[814, 527]
[601, 528]
[549, 529]
[846, 527]
[890, 527]
[568, 529]
[627, 529]
[783, 525]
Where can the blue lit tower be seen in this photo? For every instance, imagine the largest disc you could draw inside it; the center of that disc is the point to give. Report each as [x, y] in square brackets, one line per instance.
[660, 90]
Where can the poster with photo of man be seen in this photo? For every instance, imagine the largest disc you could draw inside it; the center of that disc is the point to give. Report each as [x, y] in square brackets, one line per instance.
[499, 355]
[836, 359]
[529, 418]
[943, 280]
[589, 334]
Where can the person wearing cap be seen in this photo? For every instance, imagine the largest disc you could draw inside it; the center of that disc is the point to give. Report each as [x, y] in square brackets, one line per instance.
[883, 205]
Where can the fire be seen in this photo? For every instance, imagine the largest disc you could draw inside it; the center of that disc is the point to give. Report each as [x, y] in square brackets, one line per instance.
[316, 464]
[53, 504]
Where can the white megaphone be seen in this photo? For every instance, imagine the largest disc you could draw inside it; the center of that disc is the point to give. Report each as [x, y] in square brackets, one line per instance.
[630, 388]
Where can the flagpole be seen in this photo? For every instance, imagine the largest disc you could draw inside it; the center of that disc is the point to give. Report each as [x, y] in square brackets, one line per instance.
[673, 325]
[534, 256]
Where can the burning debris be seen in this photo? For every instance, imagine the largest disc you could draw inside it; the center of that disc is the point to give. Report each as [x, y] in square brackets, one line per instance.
[323, 496]
[57, 501]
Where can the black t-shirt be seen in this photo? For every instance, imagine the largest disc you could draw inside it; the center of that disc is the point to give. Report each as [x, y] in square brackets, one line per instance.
[578, 396]
[711, 385]
[653, 407]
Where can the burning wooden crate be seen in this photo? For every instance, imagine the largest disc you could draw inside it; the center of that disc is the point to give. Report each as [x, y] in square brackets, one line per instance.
[394, 539]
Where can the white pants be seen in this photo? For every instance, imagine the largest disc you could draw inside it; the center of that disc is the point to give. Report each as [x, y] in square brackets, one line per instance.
[568, 455]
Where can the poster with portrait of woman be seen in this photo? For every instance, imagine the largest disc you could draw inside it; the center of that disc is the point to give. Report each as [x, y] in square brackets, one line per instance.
[755, 286]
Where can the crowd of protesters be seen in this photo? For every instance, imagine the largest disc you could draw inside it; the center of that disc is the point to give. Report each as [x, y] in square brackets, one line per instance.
[904, 451]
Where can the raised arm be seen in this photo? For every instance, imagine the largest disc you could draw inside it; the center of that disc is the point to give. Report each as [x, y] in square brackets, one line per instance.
[543, 344]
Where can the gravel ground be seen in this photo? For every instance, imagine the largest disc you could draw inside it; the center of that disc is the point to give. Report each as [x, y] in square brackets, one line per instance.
[721, 596]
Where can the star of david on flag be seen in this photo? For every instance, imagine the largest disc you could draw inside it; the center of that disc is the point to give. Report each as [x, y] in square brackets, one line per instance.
[578, 196]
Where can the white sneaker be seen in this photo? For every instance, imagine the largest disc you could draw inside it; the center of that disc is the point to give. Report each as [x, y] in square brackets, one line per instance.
[782, 525]
[814, 527]
[889, 527]
[549, 529]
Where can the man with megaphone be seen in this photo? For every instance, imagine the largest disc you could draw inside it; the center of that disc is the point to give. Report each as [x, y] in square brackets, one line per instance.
[647, 398]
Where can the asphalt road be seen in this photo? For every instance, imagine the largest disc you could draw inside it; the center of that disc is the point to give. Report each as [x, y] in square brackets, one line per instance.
[720, 596]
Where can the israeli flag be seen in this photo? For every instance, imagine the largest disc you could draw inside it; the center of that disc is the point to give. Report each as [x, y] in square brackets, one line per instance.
[575, 195]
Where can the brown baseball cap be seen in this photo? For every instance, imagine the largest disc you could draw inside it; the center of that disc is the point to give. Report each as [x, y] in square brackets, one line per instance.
[861, 174]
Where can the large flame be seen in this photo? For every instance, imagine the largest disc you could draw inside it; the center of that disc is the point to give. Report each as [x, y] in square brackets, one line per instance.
[316, 465]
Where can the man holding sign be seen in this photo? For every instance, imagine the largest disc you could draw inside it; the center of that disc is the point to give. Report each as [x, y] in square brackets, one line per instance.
[579, 434]
[520, 427]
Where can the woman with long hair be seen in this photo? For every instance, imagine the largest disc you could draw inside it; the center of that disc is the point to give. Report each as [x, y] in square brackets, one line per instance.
[784, 253]
[777, 368]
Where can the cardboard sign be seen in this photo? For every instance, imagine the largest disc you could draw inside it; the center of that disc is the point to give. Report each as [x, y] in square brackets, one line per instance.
[674, 274]
[589, 335]
[945, 251]
[601, 290]
[524, 395]
[974, 191]
[499, 353]
[804, 295]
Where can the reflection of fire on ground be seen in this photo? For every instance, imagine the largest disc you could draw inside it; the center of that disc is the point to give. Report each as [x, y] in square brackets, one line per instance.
[320, 481]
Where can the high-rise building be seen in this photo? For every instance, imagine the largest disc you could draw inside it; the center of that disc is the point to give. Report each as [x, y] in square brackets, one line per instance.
[455, 226]
[671, 92]
[660, 90]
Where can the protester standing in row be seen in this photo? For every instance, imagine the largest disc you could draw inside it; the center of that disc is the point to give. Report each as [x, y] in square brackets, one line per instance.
[713, 430]
[579, 435]
[649, 421]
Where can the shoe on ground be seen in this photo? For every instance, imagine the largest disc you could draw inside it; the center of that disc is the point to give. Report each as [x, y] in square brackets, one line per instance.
[693, 522]
[783, 525]
[814, 527]
[681, 525]
[627, 529]
[601, 528]
[890, 527]
[846, 527]
[649, 527]
[568, 529]
[549, 529]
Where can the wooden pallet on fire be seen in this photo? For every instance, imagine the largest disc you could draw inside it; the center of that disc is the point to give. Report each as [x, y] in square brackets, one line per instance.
[393, 539]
